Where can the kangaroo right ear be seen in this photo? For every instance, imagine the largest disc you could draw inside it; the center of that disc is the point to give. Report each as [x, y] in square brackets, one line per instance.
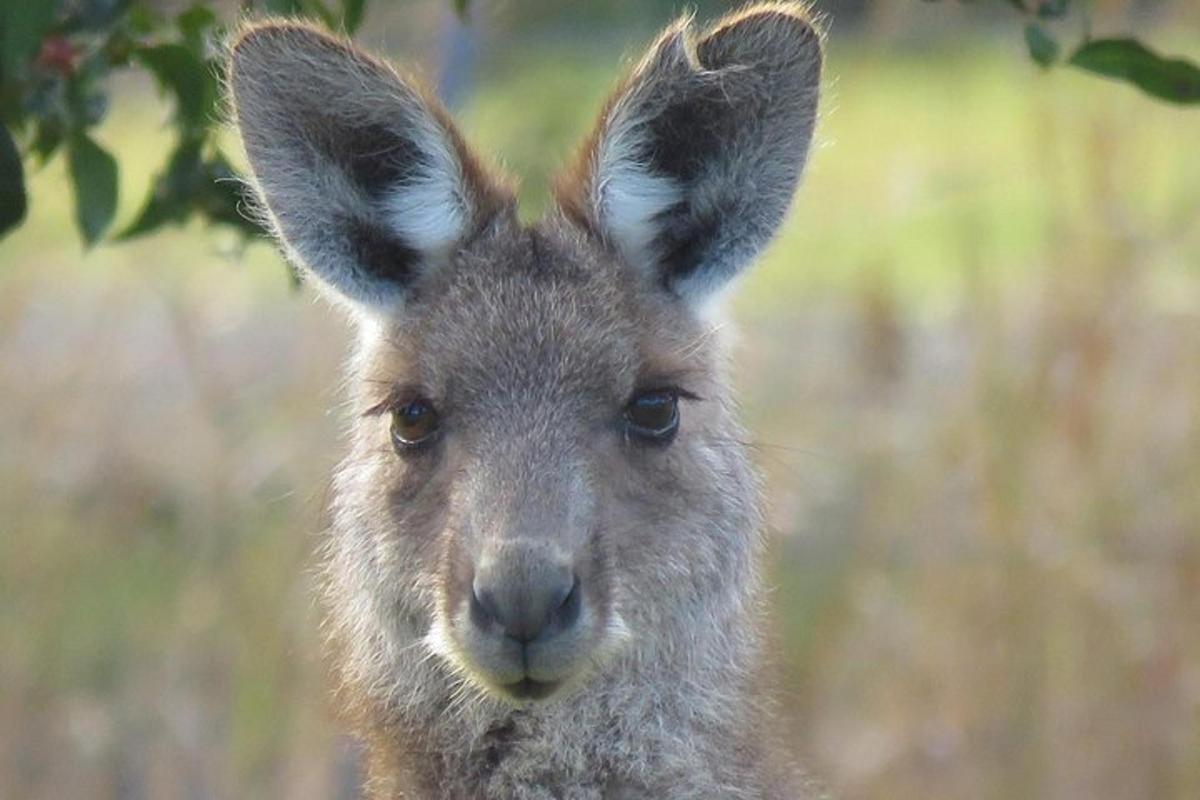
[361, 174]
[698, 154]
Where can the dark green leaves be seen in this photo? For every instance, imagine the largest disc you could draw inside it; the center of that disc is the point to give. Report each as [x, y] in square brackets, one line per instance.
[194, 25]
[22, 26]
[352, 14]
[94, 175]
[1053, 9]
[170, 195]
[348, 18]
[1173, 80]
[192, 182]
[314, 9]
[12, 183]
[196, 179]
[224, 201]
[186, 75]
[57, 58]
[1043, 49]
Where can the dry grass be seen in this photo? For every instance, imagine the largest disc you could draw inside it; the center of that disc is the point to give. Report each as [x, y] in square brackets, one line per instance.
[972, 365]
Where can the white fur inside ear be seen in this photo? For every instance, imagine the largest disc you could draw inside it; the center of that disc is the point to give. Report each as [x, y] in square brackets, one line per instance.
[631, 198]
[428, 210]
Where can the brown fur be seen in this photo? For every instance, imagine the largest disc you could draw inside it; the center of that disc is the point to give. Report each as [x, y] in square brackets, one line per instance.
[531, 341]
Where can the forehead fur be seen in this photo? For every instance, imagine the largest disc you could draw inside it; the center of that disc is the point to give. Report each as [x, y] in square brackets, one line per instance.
[539, 313]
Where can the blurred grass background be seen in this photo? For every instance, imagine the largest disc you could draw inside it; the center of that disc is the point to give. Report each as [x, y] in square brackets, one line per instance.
[971, 366]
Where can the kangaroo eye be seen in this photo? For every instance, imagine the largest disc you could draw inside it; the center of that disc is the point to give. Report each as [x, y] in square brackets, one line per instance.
[653, 416]
[414, 424]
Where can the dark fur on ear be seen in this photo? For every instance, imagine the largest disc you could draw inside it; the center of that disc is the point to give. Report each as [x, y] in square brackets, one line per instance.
[698, 153]
[360, 172]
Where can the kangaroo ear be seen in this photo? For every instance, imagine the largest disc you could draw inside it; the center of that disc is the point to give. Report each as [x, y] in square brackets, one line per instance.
[362, 175]
[696, 157]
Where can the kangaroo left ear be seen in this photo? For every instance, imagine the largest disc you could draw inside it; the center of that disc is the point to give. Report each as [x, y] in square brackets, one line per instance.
[696, 157]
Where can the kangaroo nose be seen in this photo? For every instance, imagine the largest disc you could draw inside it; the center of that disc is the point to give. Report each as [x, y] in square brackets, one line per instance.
[526, 604]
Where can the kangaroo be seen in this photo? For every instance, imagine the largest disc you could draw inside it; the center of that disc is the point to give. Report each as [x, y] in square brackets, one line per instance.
[541, 575]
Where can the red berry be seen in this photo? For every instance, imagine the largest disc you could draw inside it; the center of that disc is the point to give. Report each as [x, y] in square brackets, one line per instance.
[57, 53]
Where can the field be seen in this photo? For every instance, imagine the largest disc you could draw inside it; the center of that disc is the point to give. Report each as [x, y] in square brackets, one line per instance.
[971, 366]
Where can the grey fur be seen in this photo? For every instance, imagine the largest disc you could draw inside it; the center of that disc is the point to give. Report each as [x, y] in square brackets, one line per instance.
[530, 341]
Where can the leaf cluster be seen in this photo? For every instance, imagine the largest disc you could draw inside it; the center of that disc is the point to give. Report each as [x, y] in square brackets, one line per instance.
[57, 59]
[1124, 59]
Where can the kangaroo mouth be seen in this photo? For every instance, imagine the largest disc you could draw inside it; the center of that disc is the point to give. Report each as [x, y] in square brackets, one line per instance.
[530, 689]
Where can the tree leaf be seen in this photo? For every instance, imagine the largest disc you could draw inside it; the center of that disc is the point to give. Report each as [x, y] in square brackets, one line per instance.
[47, 136]
[23, 24]
[13, 202]
[96, 14]
[1053, 9]
[352, 14]
[193, 184]
[186, 75]
[317, 9]
[94, 173]
[226, 198]
[194, 24]
[171, 195]
[1174, 80]
[461, 7]
[313, 9]
[1043, 49]
[284, 7]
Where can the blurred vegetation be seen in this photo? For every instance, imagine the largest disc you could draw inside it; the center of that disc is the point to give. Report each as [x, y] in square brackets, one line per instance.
[1125, 59]
[970, 363]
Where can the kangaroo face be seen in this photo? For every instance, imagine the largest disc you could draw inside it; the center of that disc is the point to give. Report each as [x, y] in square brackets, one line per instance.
[540, 426]
[545, 477]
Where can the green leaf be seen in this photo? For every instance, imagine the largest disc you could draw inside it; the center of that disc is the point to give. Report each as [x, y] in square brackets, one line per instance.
[192, 184]
[313, 9]
[188, 76]
[47, 136]
[194, 25]
[142, 20]
[1042, 47]
[352, 14]
[23, 24]
[1053, 9]
[1174, 80]
[461, 7]
[170, 199]
[13, 202]
[284, 7]
[303, 8]
[317, 9]
[226, 198]
[94, 173]
[94, 15]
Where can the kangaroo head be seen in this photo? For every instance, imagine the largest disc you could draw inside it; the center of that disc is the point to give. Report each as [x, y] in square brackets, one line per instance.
[545, 478]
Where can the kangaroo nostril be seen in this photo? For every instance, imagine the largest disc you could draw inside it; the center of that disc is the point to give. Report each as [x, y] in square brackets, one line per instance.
[568, 610]
[525, 609]
[483, 606]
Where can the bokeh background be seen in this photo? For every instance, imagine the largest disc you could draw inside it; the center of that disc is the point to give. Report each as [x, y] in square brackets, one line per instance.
[970, 364]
